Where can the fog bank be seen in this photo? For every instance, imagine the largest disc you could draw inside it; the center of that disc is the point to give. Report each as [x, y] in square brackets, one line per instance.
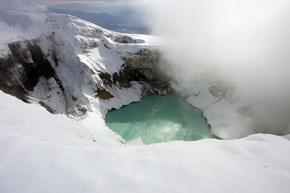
[245, 42]
[20, 19]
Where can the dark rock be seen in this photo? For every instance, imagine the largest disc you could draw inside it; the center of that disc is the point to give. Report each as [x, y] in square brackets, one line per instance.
[103, 94]
[106, 78]
[125, 40]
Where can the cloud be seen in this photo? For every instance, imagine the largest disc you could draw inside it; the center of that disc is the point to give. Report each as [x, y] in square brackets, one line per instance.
[21, 5]
[19, 20]
[80, 1]
[245, 42]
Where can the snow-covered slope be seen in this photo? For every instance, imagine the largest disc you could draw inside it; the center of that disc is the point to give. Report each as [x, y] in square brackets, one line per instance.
[79, 69]
[35, 121]
[75, 68]
[69, 59]
[259, 163]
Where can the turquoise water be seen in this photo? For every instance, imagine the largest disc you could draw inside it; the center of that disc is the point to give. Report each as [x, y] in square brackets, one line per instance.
[159, 119]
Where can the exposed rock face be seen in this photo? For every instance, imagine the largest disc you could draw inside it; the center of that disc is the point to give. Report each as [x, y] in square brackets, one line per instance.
[22, 69]
[143, 66]
[125, 40]
[103, 94]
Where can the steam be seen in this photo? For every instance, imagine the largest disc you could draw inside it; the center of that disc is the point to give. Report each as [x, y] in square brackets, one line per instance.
[245, 42]
[20, 19]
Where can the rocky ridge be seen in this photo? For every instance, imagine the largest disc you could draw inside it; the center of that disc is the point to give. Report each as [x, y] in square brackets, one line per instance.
[50, 70]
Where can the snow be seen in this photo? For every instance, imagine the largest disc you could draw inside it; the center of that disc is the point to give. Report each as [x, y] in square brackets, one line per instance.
[124, 97]
[136, 142]
[259, 163]
[221, 114]
[103, 136]
[85, 50]
[33, 120]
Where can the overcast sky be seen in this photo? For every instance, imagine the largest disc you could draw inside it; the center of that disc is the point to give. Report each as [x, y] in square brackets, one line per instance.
[84, 1]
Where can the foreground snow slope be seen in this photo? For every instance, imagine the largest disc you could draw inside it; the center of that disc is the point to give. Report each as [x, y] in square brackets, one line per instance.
[40, 152]
[33, 120]
[259, 163]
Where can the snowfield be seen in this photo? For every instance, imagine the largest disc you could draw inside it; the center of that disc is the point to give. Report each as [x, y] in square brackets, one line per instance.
[41, 152]
[33, 120]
